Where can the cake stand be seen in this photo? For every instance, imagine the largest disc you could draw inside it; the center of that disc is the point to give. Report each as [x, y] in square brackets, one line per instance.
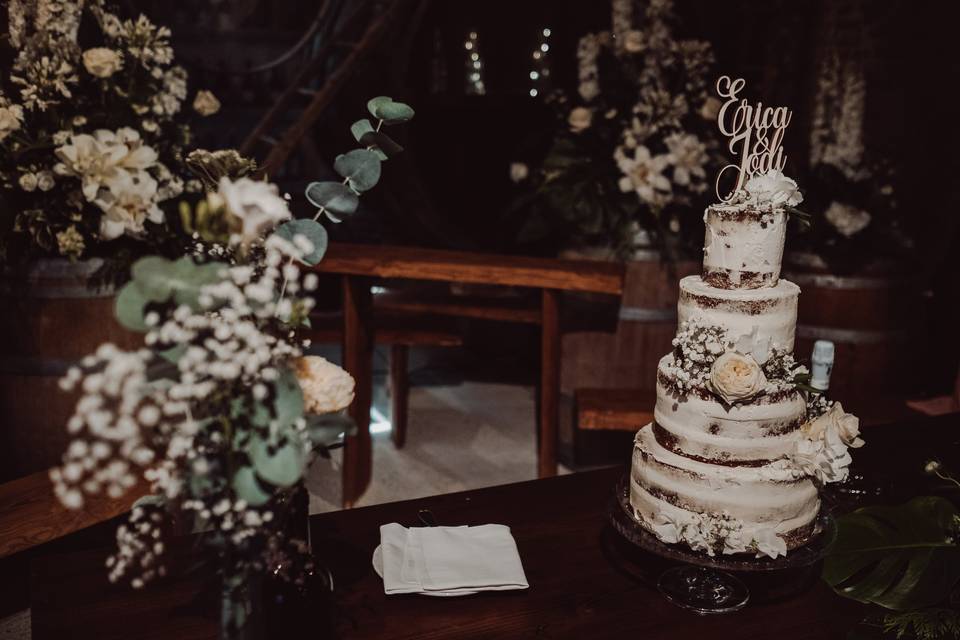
[709, 585]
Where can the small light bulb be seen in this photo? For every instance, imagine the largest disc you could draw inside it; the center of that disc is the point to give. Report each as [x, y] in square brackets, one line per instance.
[474, 56]
[544, 47]
[468, 45]
[546, 33]
[537, 55]
[474, 76]
[473, 35]
[534, 75]
[533, 93]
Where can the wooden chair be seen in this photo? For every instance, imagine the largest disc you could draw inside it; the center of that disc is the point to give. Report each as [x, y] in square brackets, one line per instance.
[613, 409]
[358, 265]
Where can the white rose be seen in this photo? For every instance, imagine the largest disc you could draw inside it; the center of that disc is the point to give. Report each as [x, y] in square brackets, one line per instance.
[256, 204]
[580, 119]
[736, 377]
[847, 220]
[326, 387]
[102, 62]
[11, 117]
[773, 188]
[633, 41]
[28, 181]
[205, 103]
[518, 171]
[835, 421]
[45, 180]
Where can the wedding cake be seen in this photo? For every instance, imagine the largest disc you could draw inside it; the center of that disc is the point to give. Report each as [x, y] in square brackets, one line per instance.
[740, 446]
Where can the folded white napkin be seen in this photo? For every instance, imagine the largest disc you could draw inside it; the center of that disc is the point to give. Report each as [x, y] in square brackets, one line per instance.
[448, 561]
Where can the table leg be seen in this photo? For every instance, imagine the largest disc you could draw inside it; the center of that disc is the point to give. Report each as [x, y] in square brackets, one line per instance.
[399, 392]
[357, 360]
[549, 383]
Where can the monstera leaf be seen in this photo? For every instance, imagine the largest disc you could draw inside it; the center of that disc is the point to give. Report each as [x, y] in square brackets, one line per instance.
[901, 557]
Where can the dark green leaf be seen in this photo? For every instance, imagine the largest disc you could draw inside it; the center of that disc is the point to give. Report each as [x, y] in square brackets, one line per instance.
[247, 487]
[384, 108]
[361, 168]
[382, 142]
[312, 231]
[335, 197]
[282, 465]
[329, 430]
[901, 557]
[360, 127]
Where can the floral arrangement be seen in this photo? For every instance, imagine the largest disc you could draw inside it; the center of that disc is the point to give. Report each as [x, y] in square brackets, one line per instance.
[220, 411]
[631, 158]
[92, 131]
[718, 534]
[706, 360]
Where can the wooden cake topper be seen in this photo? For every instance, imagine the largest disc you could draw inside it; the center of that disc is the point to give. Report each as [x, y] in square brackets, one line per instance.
[755, 133]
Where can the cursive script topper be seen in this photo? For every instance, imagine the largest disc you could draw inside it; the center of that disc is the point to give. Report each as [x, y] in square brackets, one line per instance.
[755, 133]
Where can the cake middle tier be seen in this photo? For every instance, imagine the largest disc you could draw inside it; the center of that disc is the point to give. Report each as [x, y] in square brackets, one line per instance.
[698, 426]
[771, 311]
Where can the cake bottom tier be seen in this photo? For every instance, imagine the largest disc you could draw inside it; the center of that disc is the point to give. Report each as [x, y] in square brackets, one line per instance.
[768, 500]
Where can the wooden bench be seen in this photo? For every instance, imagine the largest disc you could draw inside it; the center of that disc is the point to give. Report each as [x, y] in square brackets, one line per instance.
[31, 515]
[358, 265]
[614, 409]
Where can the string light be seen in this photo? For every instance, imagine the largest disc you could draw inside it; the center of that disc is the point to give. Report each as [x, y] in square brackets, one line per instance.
[540, 73]
[474, 66]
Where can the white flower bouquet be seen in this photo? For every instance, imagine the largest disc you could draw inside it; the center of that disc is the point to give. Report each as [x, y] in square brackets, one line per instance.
[92, 128]
[635, 143]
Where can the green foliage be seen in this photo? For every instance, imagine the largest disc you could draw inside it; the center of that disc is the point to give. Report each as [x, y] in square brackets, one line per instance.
[925, 624]
[334, 198]
[360, 168]
[360, 128]
[131, 307]
[279, 464]
[328, 431]
[160, 280]
[381, 144]
[384, 108]
[312, 231]
[248, 488]
[899, 557]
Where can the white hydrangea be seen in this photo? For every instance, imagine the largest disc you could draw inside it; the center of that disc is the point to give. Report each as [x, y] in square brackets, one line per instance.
[326, 387]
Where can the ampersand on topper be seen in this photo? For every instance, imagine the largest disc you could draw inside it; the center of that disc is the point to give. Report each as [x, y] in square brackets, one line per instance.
[755, 133]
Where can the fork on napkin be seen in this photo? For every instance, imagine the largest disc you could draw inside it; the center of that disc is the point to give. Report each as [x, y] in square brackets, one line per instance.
[448, 561]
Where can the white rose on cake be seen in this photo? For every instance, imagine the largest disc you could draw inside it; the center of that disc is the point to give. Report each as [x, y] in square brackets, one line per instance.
[326, 387]
[824, 451]
[735, 377]
[845, 425]
[773, 188]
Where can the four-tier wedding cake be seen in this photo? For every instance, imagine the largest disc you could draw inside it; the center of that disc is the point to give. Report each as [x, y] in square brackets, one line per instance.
[738, 450]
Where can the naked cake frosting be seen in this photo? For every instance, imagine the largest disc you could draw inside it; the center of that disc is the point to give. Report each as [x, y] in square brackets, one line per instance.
[737, 453]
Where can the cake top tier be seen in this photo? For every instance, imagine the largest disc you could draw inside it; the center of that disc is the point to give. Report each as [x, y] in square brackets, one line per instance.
[743, 244]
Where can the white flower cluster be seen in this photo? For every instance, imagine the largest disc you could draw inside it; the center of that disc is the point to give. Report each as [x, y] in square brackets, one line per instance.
[140, 547]
[326, 387]
[718, 534]
[823, 453]
[588, 49]
[770, 190]
[781, 369]
[695, 348]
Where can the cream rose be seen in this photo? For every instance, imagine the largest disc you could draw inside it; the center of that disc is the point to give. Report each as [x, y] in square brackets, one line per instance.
[102, 62]
[580, 119]
[735, 377]
[773, 188]
[326, 387]
[205, 103]
[11, 117]
[835, 421]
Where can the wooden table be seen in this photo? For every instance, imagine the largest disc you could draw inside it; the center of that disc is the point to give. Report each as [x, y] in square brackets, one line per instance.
[576, 589]
[358, 263]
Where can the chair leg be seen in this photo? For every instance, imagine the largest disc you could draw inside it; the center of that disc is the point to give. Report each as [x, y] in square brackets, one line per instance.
[399, 392]
[357, 360]
[549, 384]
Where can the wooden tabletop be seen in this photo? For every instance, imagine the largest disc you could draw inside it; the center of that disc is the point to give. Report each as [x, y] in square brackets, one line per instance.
[385, 261]
[578, 589]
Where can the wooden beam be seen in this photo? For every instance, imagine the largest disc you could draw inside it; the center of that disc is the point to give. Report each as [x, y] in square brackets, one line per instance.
[384, 261]
[31, 515]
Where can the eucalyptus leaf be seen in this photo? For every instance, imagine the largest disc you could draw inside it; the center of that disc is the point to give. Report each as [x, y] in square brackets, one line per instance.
[312, 231]
[131, 307]
[360, 127]
[391, 112]
[381, 142]
[361, 168]
[281, 465]
[288, 402]
[899, 557]
[334, 197]
[248, 488]
[159, 279]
